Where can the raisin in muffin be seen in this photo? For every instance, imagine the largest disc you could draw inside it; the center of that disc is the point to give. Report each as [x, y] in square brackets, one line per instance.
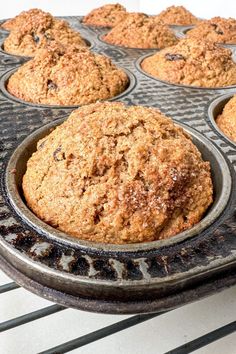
[217, 29]
[67, 76]
[106, 16]
[33, 36]
[193, 62]
[178, 15]
[141, 31]
[32, 15]
[118, 174]
[226, 121]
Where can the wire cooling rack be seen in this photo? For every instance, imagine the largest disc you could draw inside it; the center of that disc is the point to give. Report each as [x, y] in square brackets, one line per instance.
[193, 345]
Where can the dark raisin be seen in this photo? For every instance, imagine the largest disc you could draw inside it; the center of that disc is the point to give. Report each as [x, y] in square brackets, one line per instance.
[41, 145]
[217, 29]
[35, 38]
[174, 57]
[51, 85]
[58, 155]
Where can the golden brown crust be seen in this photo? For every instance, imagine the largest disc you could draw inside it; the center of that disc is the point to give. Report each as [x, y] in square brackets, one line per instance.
[141, 31]
[106, 16]
[72, 76]
[178, 15]
[32, 15]
[118, 174]
[193, 62]
[217, 29]
[227, 119]
[33, 36]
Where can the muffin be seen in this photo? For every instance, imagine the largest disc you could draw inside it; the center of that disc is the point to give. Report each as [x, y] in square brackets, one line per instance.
[218, 29]
[117, 174]
[34, 35]
[67, 76]
[106, 16]
[140, 31]
[178, 15]
[193, 62]
[226, 121]
[33, 15]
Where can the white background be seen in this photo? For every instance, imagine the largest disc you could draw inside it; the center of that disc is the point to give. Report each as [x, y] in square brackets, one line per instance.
[158, 335]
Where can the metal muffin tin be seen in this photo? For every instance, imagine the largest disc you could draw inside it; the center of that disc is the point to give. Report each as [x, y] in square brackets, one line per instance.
[136, 278]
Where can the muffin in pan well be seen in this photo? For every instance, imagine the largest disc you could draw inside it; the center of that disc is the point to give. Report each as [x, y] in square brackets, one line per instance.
[32, 36]
[60, 75]
[226, 121]
[193, 62]
[138, 30]
[106, 16]
[118, 174]
[217, 29]
[178, 15]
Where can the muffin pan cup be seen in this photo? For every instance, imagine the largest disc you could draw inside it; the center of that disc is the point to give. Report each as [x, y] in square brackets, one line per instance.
[137, 278]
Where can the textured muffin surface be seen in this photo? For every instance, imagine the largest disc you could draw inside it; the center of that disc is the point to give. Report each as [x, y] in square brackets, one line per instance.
[178, 15]
[72, 76]
[36, 34]
[106, 16]
[141, 31]
[32, 15]
[226, 121]
[193, 62]
[217, 29]
[117, 174]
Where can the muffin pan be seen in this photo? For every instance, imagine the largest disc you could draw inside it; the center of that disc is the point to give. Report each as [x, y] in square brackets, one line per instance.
[137, 278]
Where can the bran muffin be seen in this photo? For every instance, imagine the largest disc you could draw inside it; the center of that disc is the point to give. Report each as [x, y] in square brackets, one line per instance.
[141, 31]
[33, 15]
[33, 36]
[117, 174]
[226, 121]
[178, 15]
[67, 76]
[106, 16]
[193, 62]
[217, 29]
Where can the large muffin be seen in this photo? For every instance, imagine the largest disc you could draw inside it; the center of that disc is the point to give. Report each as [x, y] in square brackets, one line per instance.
[34, 35]
[193, 62]
[67, 76]
[178, 15]
[118, 174]
[217, 29]
[32, 15]
[140, 31]
[106, 16]
[227, 119]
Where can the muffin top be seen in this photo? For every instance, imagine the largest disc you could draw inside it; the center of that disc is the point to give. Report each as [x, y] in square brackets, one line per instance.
[67, 76]
[217, 29]
[227, 119]
[33, 15]
[194, 62]
[106, 16]
[141, 31]
[177, 15]
[117, 174]
[33, 36]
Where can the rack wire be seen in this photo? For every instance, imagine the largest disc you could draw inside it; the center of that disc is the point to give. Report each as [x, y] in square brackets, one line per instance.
[109, 330]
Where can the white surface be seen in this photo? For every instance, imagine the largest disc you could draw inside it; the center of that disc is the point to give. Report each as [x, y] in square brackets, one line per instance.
[155, 336]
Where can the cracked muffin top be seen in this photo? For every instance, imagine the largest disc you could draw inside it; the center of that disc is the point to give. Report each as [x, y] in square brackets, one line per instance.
[106, 16]
[178, 15]
[34, 35]
[226, 121]
[141, 31]
[217, 29]
[33, 15]
[117, 174]
[193, 62]
[67, 76]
